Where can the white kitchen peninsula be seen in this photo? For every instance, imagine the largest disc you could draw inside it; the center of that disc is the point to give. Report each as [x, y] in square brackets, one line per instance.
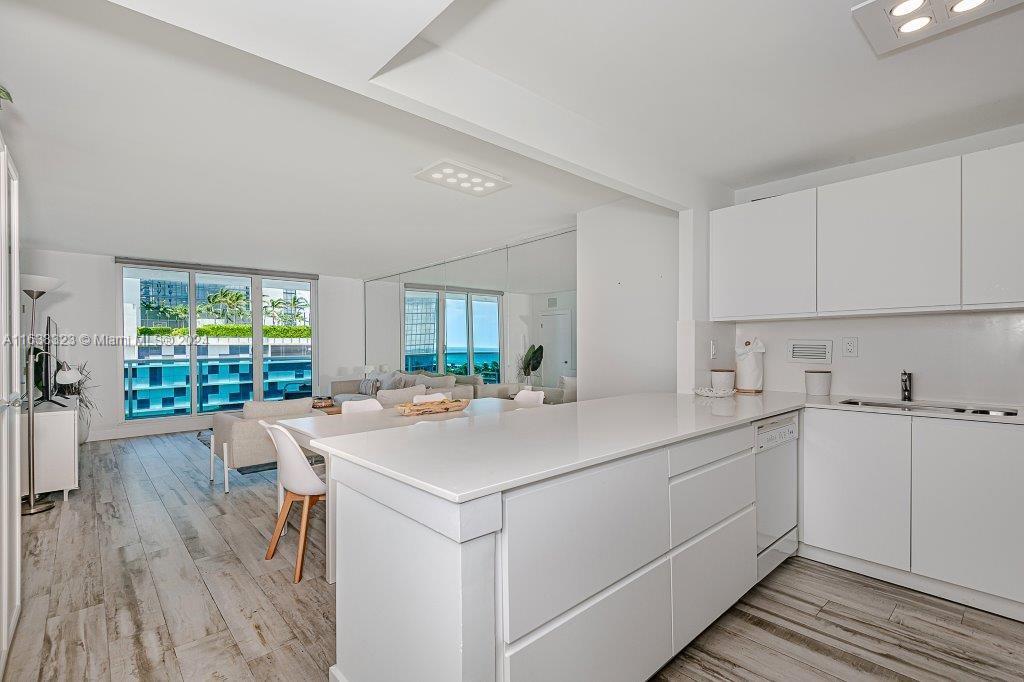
[546, 544]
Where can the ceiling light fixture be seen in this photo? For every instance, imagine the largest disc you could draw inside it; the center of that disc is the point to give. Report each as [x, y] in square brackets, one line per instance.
[915, 24]
[906, 7]
[891, 25]
[967, 5]
[463, 178]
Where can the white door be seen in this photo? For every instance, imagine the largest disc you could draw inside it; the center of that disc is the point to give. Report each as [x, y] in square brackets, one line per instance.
[10, 386]
[763, 258]
[891, 241]
[856, 485]
[993, 214]
[556, 337]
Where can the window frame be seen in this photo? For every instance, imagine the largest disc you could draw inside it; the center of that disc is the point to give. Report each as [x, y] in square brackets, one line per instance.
[440, 341]
[256, 278]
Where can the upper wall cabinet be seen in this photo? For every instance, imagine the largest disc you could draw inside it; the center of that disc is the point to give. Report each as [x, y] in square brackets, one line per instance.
[891, 241]
[994, 227]
[763, 258]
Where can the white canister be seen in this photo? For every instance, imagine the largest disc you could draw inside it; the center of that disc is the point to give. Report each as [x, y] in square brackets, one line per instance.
[818, 382]
[723, 379]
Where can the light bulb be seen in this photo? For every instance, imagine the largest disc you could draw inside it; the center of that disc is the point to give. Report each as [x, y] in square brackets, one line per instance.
[967, 5]
[915, 24]
[906, 7]
[488, 184]
[436, 176]
[465, 184]
[476, 180]
[452, 180]
[446, 171]
[463, 176]
[478, 189]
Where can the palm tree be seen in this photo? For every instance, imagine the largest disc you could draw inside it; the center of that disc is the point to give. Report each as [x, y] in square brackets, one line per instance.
[298, 306]
[274, 308]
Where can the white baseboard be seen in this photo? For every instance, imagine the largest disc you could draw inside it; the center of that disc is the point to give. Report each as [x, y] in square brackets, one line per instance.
[150, 427]
[336, 675]
[963, 595]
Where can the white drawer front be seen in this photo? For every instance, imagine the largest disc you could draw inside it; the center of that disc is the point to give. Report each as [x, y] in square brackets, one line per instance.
[710, 575]
[567, 539]
[697, 452]
[703, 498]
[624, 635]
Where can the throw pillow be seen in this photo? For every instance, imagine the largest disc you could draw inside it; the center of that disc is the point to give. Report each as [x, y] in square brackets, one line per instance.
[390, 398]
[446, 382]
[368, 386]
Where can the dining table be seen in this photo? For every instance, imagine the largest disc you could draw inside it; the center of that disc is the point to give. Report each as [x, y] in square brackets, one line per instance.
[307, 429]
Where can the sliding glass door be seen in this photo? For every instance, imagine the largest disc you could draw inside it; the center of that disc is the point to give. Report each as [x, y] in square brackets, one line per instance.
[287, 340]
[197, 329]
[223, 341]
[157, 369]
[486, 335]
[468, 322]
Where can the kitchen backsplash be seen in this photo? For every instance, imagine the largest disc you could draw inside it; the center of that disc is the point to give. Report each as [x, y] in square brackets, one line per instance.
[959, 356]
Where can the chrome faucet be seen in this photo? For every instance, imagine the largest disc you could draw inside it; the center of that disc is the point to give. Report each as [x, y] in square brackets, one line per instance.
[906, 386]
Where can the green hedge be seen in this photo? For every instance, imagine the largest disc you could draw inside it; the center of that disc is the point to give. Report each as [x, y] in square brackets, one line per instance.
[231, 331]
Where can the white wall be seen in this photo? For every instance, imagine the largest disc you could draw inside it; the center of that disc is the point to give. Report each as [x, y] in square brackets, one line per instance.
[628, 298]
[383, 324]
[87, 304]
[976, 356]
[340, 337]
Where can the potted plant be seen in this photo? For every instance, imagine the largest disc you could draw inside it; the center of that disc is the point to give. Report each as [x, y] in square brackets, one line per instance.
[82, 390]
[529, 363]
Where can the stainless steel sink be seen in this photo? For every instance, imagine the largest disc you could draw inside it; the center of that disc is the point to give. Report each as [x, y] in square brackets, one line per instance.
[931, 407]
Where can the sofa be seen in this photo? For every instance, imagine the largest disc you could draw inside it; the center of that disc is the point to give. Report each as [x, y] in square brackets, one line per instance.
[239, 440]
[552, 396]
[458, 387]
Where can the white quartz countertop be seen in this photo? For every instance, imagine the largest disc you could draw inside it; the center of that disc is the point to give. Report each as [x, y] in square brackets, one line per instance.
[463, 459]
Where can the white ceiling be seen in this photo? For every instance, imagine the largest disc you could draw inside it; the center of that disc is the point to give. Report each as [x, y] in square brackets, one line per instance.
[742, 91]
[140, 139]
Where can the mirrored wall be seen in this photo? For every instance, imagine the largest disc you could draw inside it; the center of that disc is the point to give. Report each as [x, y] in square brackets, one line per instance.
[480, 314]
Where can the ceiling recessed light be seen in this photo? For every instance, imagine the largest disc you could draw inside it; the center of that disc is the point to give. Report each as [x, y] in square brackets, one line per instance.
[906, 7]
[967, 5]
[915, 24]
[465, 178]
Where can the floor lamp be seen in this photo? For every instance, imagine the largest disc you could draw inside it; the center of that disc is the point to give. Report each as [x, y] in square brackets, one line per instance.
[34, 287]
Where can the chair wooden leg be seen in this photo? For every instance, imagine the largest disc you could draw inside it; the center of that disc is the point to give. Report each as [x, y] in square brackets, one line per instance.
[307, 502]
[213, 456]
[282, 519]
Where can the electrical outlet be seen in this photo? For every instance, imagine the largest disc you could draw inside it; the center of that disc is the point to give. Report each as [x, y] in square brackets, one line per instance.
[850, 349]
[714, 349]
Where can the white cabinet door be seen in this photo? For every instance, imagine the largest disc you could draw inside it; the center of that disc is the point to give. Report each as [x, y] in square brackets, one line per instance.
[994, 226]
[891, 241]
[856, 485]
[763, 258]
[969, 505]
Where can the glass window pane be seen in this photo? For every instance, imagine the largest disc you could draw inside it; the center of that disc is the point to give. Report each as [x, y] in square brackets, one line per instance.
[157, 377]
[421, 321]
[487, 337]
[224, 341]
[287, 340]
[456, 333]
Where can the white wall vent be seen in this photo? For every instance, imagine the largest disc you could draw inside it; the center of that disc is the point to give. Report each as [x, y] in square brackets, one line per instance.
[552, 302]
[816, 351]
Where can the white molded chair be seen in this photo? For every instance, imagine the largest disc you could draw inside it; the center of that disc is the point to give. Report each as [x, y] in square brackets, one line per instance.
[529, 398]
[296, 476]
[368, 405]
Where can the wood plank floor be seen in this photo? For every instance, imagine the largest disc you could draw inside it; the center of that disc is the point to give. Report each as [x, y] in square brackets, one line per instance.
[149, 572]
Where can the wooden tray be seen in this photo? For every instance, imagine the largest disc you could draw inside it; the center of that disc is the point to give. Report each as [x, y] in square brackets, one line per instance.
[437, 407]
